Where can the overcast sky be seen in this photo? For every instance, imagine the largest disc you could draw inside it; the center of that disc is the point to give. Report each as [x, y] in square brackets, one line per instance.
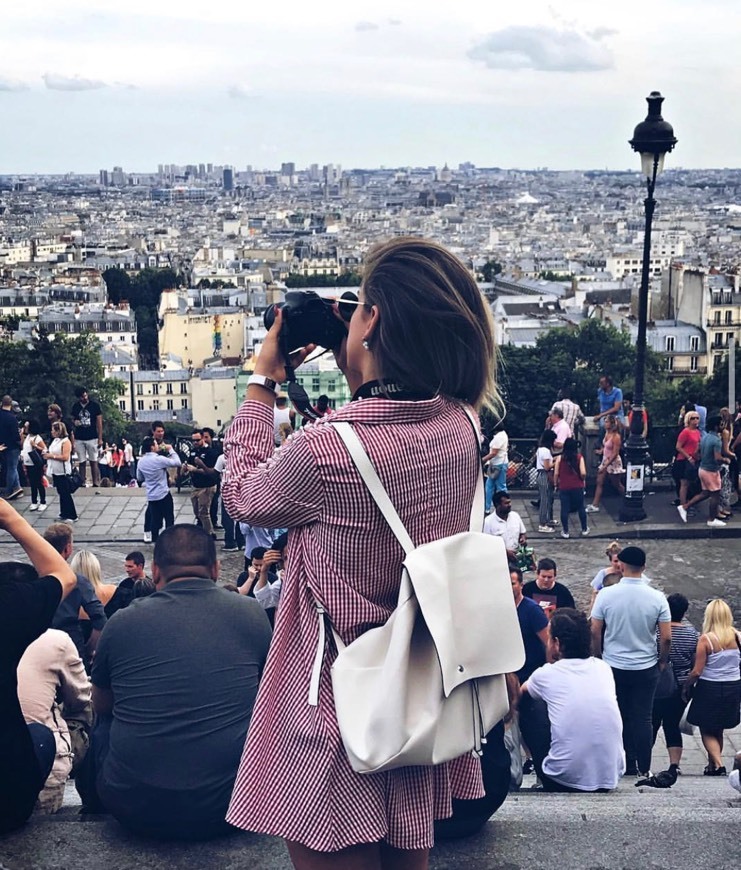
[523, 84]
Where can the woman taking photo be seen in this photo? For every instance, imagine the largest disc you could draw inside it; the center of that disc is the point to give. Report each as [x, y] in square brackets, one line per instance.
[569, 475]
[714, 683]
[419, 346]
[611, 467]
[59, 466]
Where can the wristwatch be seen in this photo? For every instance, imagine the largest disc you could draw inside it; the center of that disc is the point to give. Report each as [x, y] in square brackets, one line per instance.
[262, 381]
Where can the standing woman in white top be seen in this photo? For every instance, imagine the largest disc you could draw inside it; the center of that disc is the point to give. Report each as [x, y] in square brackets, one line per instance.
[59, 466]
[714, 683]
[34, 472]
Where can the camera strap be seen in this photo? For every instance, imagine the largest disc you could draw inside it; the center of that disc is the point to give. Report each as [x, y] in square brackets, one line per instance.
[299, 397]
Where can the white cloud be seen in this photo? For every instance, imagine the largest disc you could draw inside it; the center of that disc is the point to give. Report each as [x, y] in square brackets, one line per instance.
[239, 92]
[56, 82]
[365, 26]
[8, 84]
[545, 49]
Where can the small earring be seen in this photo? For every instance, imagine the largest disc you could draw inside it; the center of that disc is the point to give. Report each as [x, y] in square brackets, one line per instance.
[365, 344]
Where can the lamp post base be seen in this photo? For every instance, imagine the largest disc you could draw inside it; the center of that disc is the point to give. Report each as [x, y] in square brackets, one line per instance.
[637, 461]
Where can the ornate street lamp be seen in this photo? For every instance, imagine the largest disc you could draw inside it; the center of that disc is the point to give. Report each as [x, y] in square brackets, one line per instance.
[652, 139]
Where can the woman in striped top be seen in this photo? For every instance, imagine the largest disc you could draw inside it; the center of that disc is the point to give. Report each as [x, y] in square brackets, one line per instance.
[667, 712]
[419, 346]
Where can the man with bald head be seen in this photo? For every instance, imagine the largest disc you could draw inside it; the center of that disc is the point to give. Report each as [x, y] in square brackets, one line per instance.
[171, 731]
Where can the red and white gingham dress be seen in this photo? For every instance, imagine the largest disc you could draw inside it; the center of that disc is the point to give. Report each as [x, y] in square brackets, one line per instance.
[295, 780]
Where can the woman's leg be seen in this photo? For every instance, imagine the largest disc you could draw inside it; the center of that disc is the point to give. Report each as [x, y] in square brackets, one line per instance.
[66, 504]
[365, 857]
[371, 856]
[600, 486]
[713, 743]
[546, 509]
[564, 496]
[577, 502]
[489, 493]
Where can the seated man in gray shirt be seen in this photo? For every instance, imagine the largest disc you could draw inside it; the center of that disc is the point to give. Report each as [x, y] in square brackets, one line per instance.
[174, 682]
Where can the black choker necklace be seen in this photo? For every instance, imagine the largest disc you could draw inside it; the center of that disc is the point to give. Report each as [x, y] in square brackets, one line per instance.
[388, 389]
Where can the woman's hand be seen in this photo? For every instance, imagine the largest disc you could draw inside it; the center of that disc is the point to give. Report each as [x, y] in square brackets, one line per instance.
[270, 362]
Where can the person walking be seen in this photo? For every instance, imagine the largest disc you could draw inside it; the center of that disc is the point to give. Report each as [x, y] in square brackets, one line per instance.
[714, 684]
[611, 466]
[569, 474]
[498, 459]
[628, 614]
[420, 344]
[33, 464]
[59, 464]
[687, 458]
[711, 460]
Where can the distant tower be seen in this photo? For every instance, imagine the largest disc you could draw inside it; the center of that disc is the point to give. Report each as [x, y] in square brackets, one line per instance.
[228, 179]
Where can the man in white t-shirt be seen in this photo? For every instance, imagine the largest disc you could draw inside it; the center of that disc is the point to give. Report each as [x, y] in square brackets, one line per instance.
[507, 524]
[498, 459]
[572, 723]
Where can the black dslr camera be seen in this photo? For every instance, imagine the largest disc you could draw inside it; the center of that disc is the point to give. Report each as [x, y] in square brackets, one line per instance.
[307, 319]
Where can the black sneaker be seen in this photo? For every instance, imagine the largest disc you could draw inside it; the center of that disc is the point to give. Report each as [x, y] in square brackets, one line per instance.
[230, 549]
[14, 495]
[535, 503]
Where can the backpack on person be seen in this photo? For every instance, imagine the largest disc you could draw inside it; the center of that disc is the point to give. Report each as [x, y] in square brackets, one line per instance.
[427, 686]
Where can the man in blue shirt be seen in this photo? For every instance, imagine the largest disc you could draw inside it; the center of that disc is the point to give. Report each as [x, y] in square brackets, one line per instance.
[629, 613]
[610, 400]
[152, 472]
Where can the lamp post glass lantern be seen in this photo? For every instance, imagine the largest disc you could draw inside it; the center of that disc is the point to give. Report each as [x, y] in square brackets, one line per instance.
[652, 139]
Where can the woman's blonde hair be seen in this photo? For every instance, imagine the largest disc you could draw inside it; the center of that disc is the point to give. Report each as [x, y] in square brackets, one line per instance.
[435, 332]
[86, 563]
[61, 428]
[688, 416]
[718, 620]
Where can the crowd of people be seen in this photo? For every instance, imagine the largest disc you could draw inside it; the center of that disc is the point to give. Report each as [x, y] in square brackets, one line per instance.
[188, 704]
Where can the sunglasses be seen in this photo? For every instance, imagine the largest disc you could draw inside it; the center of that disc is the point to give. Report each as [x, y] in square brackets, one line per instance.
[346, 305]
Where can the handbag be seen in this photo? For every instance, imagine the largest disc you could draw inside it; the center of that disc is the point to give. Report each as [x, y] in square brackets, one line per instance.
[37, 460]
[667, 685]
[684, 726]
[75, 481]
[427, 685]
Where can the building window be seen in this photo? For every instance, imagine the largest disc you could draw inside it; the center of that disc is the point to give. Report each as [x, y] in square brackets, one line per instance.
[694, 342]
[140, 389]
[670, 363]
[669, 343]
[122, 404]
[170, 404]
[718, 339]
[155, 389]
[717, 359]
[140, 404]
[331, 386]
[729, 317]
[155, 404]
[729, 338]
[693, 363]
[183, 388]
[183, 403]
[168, 389]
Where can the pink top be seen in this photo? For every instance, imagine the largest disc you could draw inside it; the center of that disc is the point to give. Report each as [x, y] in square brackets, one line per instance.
[295, 780]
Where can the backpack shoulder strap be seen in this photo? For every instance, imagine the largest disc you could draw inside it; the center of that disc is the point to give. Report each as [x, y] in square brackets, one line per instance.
[380, 496]
[373, 482]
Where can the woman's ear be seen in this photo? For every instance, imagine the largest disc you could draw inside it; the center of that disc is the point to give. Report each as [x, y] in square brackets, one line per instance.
[371, 324]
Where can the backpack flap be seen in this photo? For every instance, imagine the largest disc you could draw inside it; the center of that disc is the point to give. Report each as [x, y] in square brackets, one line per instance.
[464, 592]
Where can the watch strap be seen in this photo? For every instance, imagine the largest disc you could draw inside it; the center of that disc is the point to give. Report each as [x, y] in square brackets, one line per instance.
[263, 381]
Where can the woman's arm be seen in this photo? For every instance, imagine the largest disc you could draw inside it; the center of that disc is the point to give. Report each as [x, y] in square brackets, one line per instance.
[701, 655]
[556, 470]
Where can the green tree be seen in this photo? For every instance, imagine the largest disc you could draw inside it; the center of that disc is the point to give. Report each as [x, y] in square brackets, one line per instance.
[48, 371]
[489, 270]
[118, 285]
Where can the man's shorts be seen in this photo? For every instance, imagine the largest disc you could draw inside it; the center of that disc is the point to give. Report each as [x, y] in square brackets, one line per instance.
[87, 451]
[710, 480]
